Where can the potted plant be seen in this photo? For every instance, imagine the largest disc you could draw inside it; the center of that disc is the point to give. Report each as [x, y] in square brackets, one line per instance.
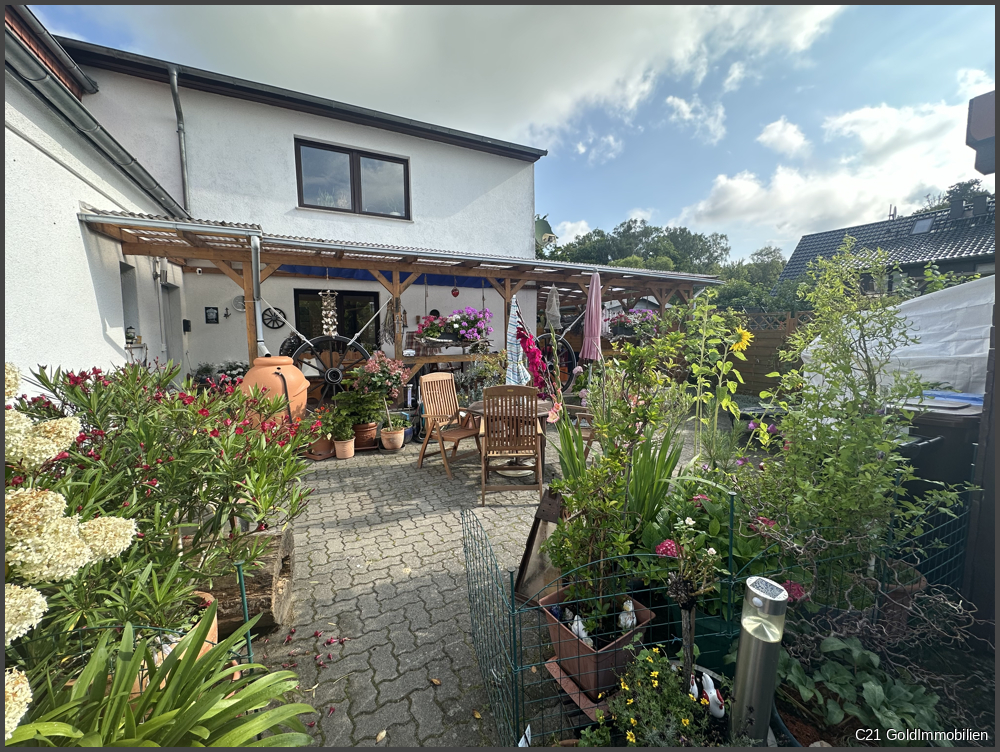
[393, 431]
[322, 446]
[469, 325]
[377, 381]
[431, 327]
[342, 430]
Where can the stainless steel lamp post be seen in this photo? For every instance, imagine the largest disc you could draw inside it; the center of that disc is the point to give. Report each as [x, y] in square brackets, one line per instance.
[762, 625]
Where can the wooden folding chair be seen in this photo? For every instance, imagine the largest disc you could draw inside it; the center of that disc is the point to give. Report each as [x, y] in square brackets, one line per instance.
[446, 421]
[510, 431]
[585, 423]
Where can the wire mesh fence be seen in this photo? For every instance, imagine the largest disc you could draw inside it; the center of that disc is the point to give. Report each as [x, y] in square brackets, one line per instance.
[550, 662]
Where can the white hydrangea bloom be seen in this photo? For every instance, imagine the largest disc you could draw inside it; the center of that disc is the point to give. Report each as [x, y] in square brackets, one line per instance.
[56, 555]
[11, 381]
[16, 698]
[32, 451]
[61, 431]
[107, 536]
[30, 512]
[16, 425]
[23, 608]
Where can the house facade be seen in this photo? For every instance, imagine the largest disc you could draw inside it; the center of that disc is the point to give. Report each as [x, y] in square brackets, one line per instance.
[294, 164]
[141, 194]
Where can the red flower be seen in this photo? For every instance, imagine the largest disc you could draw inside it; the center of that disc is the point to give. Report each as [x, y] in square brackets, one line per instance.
[60, 456]
[213, 432]
[667, 548]
[239, 430]
[795, 591]
[204, 412]
[17, 480]
[153, 482]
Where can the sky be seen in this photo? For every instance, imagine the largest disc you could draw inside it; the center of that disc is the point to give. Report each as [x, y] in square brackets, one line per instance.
[762, 123]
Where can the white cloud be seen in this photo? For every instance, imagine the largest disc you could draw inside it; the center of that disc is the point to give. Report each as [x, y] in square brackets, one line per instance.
[708, 121]
[567, 232]
[737, 72]
[784, 137]
[599, 149]
[646, 214]
[523, 73]
[879, 156]
[972, 83]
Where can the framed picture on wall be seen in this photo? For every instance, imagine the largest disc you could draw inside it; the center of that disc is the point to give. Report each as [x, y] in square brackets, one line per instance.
[211, 314]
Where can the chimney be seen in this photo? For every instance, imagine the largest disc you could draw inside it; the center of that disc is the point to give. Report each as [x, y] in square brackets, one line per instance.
[957, 210]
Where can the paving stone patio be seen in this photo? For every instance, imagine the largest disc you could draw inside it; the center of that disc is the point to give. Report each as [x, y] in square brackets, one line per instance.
[379, 560]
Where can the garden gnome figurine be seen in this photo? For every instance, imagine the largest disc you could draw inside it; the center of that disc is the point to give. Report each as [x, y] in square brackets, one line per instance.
[715, 705]
[626, 619]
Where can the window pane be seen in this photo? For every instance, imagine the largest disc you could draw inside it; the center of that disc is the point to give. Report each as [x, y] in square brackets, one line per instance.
[382, 187]
[326, 178]
[357, 309]
[309, 314]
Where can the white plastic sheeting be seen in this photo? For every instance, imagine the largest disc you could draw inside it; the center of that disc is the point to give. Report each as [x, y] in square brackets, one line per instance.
[954, 330]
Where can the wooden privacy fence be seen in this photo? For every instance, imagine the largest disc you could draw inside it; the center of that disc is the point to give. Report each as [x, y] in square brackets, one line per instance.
[770, 331]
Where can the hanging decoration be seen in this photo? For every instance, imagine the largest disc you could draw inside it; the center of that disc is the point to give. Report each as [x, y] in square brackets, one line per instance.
[328, 301]
[388, 330]
[454, 290]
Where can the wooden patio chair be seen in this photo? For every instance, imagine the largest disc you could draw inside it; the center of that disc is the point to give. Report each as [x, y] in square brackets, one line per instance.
[510, 431]
[446, 421]
[585, 423]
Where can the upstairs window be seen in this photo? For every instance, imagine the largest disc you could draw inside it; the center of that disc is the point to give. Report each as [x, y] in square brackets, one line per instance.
[352, 181]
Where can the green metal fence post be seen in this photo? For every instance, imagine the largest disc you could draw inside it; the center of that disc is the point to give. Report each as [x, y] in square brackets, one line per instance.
[246, 610]
[514, 659]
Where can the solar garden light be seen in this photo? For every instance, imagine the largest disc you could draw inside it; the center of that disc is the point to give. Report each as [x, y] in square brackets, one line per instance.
[761, 627]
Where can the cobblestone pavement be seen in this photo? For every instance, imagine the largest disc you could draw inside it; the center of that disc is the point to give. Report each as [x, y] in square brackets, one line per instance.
[379, 560]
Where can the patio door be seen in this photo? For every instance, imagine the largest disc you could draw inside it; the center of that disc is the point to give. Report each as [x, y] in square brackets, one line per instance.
[354, 309]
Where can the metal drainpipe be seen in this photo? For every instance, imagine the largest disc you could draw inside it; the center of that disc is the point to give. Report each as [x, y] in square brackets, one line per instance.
[181, 136]
[255, 271]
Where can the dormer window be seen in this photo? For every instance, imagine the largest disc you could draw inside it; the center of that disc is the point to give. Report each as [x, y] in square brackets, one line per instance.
[348, 180]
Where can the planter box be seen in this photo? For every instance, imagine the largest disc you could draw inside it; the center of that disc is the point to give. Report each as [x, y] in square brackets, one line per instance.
[594, 671]
[269, 589]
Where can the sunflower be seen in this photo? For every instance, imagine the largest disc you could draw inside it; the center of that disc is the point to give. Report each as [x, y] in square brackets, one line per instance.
[743, 339]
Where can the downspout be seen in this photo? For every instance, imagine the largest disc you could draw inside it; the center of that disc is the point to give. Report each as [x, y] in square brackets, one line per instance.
[258, 313]
[181, 137]
[55, 94]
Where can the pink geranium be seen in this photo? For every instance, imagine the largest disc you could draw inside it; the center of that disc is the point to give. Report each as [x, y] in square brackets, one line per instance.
[795, 591]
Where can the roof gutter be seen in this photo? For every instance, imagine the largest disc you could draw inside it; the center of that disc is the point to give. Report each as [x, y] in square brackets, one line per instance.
[54, 92]
[86, 83]
[181, 138]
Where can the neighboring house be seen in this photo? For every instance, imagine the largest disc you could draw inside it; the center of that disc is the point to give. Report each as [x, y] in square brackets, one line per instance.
[99, 140]
[961, 238]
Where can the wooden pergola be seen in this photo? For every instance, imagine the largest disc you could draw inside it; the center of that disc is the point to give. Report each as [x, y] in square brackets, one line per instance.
[395, 268]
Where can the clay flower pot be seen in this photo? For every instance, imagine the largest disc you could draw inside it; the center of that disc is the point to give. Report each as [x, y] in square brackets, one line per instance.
[364, 435]
[345, 449]
[393, 440]
[280, 377]
[321, 446]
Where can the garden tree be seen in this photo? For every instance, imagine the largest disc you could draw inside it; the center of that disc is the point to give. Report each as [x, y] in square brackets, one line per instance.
[964, 190]
[753, 283]
[635, 241]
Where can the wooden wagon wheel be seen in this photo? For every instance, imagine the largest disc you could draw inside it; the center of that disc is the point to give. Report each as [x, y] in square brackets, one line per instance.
[559, 357]
[273, 318]
[324, 361]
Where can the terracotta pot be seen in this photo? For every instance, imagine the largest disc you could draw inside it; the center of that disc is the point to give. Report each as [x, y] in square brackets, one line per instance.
[594, 671]
[211, 639]
[279, 376]
[321, 446]
[393, 439]
[364, 435]
[345, 449]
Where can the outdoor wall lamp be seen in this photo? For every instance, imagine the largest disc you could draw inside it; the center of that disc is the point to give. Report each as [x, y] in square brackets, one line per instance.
[761, 627]
[130, 335]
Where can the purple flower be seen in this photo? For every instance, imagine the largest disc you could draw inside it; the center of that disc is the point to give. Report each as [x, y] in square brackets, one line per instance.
[741, 461]
[752, 425]
[772, 429]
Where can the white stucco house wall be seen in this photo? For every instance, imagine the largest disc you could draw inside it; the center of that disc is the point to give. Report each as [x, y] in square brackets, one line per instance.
[75, 291]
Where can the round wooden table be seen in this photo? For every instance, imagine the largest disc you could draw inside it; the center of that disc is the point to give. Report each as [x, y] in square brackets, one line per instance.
[544, 406]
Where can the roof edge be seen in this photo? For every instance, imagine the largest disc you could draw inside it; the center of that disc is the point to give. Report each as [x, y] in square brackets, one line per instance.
[129, 63]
